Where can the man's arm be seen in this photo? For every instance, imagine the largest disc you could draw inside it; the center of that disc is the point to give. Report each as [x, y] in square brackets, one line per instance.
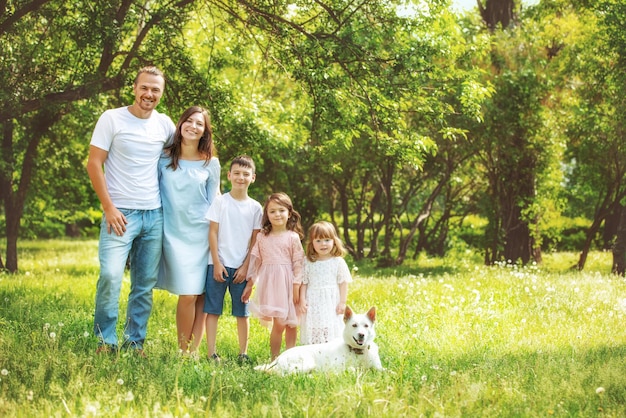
[116, 221]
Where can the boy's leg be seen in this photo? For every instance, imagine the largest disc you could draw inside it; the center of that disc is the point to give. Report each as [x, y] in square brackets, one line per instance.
[243, 332]
[211, 333]
[240, 311]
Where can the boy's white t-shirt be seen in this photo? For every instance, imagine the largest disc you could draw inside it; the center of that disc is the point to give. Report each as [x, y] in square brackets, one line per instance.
[237, 219]
[134, 146]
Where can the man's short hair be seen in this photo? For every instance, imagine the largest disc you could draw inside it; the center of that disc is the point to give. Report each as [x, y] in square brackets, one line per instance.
[150, 69]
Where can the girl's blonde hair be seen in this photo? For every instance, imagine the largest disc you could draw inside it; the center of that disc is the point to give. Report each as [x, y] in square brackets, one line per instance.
[321, 230]
[293, 223]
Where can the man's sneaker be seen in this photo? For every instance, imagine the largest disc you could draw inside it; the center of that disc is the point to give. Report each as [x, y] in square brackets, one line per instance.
[139, 352]
[215, 358]
[243, 358]
[105, 349]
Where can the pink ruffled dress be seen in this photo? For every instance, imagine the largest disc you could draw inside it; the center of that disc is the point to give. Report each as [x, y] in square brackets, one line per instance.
[276, 262]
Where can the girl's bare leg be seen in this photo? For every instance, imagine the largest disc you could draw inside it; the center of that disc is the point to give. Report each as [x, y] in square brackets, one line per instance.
[291, 334]
[276, 338]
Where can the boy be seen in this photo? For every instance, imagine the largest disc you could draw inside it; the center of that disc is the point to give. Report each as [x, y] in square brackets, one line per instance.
[235, 219]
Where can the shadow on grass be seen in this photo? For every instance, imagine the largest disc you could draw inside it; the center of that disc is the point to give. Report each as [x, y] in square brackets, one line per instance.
[368, 268]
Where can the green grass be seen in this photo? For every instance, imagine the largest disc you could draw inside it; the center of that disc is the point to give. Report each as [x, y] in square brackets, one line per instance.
[457, 338]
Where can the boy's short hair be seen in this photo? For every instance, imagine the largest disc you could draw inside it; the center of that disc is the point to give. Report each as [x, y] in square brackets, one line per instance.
[243, 161]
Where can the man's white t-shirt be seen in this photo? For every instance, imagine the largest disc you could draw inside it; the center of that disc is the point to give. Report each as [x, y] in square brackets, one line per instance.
[237, 219]
[134, 146]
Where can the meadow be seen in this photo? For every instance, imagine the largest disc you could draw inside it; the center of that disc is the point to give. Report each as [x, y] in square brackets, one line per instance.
[457, 339]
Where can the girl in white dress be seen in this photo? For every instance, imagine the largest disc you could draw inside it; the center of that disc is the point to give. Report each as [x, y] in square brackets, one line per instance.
[324, 287]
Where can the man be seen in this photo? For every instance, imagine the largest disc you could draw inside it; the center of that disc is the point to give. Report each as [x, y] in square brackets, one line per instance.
[127, 143]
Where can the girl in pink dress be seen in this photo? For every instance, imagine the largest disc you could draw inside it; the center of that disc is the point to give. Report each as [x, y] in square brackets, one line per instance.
[276, 261]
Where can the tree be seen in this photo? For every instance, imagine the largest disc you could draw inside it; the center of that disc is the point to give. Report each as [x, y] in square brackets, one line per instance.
[596, 152]
[57, 54]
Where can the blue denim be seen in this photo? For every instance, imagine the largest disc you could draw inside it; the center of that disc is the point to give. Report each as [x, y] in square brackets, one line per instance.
[215, 292]
[142, 241]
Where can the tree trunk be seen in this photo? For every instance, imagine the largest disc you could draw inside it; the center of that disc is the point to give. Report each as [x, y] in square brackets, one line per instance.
[591, 232]
[497, 13]
[6, 169]
[611, 225]
[424, 214]
[39, 125]
[619, 248]
[517, 241]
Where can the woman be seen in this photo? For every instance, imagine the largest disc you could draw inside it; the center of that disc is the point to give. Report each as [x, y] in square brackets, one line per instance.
[189, 178]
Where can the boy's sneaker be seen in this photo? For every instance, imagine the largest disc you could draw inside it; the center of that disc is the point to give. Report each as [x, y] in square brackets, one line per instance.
[215, 358]
[243, 358]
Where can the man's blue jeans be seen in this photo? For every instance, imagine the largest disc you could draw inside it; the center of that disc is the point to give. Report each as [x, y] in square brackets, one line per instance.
[143, 242]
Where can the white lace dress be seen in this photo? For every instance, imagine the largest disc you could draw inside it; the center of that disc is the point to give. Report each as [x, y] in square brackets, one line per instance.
[321, 323]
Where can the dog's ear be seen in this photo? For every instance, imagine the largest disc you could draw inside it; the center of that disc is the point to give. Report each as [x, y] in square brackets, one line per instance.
[371, 314]
[347, 314]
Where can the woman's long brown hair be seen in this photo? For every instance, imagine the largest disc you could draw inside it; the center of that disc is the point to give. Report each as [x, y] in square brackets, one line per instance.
[205, 145]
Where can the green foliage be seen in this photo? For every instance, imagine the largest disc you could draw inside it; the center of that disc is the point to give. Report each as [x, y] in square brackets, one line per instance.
[567, 234]
[560, 234]
[457, 339]
[394, 120]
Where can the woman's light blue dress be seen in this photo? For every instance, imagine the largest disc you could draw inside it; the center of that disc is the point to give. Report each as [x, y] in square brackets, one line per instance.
[186, 194]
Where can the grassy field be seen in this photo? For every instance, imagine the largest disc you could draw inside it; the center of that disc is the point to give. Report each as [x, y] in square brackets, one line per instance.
[458, 339]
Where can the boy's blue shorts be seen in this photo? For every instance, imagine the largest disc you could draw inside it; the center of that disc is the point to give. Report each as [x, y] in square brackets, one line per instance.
[215, 291]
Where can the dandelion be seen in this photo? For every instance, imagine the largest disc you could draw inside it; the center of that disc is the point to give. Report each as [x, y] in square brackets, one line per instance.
[92, 409]
[600, 390]
[4, 372]
[86, 334]
[61, 324]
[120, 382]
[30, 395]
[53, 335]
[46, 326]
[129, 396]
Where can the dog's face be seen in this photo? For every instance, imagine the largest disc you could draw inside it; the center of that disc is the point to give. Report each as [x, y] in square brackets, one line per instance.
[359, 329]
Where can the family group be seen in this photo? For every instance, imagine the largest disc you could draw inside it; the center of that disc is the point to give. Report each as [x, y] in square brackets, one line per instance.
[165, 216]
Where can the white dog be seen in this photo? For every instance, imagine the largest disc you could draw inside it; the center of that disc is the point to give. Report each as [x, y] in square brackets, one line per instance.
[356, 349]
